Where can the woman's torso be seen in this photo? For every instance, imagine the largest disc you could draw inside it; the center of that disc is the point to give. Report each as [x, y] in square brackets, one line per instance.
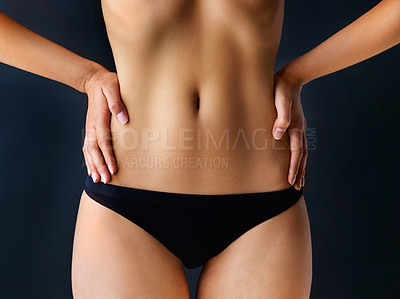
[169, 54]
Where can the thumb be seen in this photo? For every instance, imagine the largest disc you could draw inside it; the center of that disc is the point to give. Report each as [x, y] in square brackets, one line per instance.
[283, 106]
[115, 104]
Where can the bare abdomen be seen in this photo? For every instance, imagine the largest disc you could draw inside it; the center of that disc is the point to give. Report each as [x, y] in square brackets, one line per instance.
[224, 146]
[199, 93]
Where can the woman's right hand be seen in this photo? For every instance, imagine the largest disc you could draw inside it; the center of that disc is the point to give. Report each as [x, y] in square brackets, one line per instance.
[102, 88]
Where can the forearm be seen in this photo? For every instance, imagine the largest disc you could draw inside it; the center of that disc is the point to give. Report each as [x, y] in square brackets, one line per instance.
[26, 50]
[372, 33]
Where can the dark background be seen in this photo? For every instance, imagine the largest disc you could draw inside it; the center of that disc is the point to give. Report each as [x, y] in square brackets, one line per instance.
[352, 174]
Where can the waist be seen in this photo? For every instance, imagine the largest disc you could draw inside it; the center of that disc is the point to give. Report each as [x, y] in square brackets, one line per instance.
[219, 147]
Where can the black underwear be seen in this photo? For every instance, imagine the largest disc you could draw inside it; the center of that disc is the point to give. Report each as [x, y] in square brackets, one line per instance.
[193, 227]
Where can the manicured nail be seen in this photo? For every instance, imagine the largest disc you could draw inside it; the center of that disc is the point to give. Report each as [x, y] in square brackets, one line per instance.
[278, 133]
[94, 177]
[103, 178]
[122, 117]
[110, 169]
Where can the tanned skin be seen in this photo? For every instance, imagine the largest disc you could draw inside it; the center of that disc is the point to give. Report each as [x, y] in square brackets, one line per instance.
[184, 67]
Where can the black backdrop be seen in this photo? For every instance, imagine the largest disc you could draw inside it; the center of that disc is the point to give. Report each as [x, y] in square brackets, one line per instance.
[352, 174]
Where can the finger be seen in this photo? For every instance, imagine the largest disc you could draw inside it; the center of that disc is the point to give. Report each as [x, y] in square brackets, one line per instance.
[100, 115]
[86, 161]
[117, 108]
[304, 159]
[283, 107]
[89, 138]
[297, 183]
[104, 142]
[302, 166]
[296, 148]
[95, 175]
[98, 161]
[300, 183]
[103, 137]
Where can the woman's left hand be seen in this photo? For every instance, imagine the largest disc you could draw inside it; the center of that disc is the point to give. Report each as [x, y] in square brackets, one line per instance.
[291, 118]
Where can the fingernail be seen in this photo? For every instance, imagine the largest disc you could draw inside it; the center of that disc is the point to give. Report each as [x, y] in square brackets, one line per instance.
[110, 169]
[122, 117]
[278, 133]
[103, 178]
[94, 177]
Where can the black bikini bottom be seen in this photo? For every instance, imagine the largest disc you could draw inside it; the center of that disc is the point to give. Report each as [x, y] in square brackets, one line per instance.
[193, 227]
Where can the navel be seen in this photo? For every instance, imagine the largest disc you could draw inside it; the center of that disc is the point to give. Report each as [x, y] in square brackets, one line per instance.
[196, 98]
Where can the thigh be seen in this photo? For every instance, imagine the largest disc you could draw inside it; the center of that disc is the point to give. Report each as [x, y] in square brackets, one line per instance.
[114, 258]
[272, 260]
